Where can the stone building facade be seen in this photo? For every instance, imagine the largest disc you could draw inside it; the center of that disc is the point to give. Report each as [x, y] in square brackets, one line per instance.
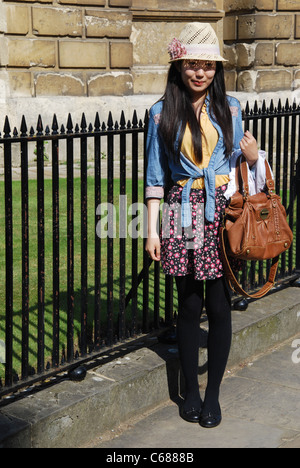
[113, 52]
[262, 44]
[66, 48]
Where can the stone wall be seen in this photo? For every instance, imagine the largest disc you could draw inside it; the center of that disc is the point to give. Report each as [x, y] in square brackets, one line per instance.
[101, 55]
[69, 47]
[90, 55]
[92, 47]
[262, 44]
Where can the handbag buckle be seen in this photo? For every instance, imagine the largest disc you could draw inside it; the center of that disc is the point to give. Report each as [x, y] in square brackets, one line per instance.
[264, 213]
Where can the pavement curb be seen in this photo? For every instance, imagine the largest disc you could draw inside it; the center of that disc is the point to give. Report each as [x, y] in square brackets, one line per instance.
[70, 414]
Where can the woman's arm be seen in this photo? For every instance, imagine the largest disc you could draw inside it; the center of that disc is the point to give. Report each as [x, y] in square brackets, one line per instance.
[155, 181]
[153, 241]
[244, 141]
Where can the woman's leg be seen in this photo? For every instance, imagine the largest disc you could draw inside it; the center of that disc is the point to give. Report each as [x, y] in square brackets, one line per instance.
[190, 297]
[218, 309]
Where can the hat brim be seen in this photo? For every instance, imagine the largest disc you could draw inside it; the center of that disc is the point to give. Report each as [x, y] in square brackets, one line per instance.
[213, 58]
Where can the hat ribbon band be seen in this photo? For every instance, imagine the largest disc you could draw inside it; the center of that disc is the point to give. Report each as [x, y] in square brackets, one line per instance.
[202, 49]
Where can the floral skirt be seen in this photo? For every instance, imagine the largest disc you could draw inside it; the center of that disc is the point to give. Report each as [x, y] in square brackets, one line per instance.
[196, 250]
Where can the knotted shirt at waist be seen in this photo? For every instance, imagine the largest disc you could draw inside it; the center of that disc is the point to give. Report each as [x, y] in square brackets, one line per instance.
[192, 172]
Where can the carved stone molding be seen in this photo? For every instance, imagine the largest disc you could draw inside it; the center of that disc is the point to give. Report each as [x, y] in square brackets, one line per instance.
[140, 14]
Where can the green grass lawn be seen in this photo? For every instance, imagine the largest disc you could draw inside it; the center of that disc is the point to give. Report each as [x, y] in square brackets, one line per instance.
[33, 265]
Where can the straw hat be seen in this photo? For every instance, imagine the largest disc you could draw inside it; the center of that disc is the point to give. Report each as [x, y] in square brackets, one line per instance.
[197, 41]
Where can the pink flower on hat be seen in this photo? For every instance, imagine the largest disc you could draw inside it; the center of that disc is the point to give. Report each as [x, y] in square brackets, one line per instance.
[176, 49]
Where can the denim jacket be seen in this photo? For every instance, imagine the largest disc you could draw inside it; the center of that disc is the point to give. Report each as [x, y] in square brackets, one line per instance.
[158, 162]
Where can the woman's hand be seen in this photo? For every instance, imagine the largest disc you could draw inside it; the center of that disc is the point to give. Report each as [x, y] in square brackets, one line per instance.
[153, 242]
[248, 145]
[153, 248]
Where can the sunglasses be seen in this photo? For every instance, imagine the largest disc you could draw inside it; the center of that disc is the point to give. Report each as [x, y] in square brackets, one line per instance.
[205, 65]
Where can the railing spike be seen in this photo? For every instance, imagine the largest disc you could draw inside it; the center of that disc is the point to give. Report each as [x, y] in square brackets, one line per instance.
[279, 107]
[6, 128]
[146, 118]
[97, 123]
[122, 121]
[54, 125]
[110, 122]
[287, 105]
[134, 120]
[69, 124]
[39, 126]
[23, 127]
[83, 123]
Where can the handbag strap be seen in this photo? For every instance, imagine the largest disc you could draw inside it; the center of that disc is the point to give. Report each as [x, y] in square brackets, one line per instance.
[242, 176]
[233, 283]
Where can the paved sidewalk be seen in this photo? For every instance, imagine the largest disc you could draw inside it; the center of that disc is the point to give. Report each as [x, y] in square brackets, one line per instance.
[261, 409]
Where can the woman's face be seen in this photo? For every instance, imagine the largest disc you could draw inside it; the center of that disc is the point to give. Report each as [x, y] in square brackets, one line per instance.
[197, 76]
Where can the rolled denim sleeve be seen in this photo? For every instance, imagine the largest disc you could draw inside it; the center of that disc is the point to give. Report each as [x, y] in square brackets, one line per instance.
[156, 157]
[238, 131]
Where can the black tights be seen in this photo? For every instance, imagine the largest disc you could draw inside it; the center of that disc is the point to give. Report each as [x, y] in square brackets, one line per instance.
[218, 310]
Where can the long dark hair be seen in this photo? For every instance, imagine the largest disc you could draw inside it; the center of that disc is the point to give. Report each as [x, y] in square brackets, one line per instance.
[178, 112]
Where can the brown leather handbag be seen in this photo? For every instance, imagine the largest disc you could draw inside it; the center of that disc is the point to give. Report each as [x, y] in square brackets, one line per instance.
[254, 228]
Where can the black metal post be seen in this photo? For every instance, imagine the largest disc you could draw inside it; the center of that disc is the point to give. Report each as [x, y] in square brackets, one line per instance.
[8, 257]
[25, 250]
[41, 251]
[55, 241]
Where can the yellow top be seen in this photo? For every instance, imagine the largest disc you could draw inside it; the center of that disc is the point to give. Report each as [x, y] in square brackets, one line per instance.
[210, 138]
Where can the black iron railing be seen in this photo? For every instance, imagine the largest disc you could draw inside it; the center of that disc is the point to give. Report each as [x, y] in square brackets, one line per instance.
[69, 291]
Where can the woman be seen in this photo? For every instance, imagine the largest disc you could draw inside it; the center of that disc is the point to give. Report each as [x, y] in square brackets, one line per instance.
[195, 134]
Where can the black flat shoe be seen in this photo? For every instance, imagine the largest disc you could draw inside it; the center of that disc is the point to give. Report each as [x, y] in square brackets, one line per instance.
[192, 415]
[210, 420]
